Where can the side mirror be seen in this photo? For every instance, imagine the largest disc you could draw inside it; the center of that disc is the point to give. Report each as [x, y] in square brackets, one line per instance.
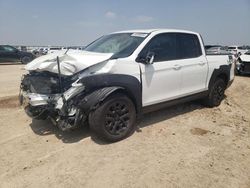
[150, 58]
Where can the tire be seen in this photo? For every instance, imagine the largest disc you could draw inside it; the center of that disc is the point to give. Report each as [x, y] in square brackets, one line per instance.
[25, 59]
[216, 93]
[115, 119]
[236, 71]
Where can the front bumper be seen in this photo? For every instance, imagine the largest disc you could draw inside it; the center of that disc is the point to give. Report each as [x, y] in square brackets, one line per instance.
[38, 106]
[35, 99]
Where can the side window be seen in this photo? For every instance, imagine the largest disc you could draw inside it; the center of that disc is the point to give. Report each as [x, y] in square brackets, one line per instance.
[188, 46]
[1, 49]
[163, 46]
[8, 49]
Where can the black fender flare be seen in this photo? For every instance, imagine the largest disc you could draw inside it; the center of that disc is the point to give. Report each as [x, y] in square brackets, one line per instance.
[99, 86]
[223, 71]
[93, 100]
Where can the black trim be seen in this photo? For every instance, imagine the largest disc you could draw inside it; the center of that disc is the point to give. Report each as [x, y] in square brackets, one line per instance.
[130, 85]
[223, 71]
[94, 99]
[158, 106]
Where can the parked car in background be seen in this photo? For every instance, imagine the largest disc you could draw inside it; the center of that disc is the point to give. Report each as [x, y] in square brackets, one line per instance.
[43, 51]
[76, 47]
[11, 54]
[243, 64]
[211, 46]
[237, 50]
[54, 49]
[217, 50]
[36, 52]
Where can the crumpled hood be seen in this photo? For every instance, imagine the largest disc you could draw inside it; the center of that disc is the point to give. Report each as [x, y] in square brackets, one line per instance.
[245, 58]
[70, 63]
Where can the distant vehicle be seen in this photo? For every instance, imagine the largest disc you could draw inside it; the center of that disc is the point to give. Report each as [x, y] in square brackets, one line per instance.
[11, 54]
[23, 48]
[211, 46]
[54, 49]
[76, 48]
[217, 50]
[243, 64]
[237, 50]
[43, 51]
[36, 52]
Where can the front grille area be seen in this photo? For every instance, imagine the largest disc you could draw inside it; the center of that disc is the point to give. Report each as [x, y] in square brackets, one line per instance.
[44, 83]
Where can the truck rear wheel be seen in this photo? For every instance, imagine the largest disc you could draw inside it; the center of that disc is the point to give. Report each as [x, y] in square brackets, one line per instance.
[114, 120]
[216, 93]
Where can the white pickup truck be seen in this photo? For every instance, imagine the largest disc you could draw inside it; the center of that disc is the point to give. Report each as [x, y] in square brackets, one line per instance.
[122, 75]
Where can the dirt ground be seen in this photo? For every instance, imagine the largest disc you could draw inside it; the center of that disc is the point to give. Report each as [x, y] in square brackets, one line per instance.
[183, 146]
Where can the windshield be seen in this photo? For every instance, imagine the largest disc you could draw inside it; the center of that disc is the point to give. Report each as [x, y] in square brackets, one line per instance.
[231, 48]
[120, 44]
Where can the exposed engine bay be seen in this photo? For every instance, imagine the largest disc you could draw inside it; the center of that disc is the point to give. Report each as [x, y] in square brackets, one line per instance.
[42, 98]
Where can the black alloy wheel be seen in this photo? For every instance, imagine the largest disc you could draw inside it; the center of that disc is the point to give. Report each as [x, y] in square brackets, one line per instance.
[117, 118]
[114, 119]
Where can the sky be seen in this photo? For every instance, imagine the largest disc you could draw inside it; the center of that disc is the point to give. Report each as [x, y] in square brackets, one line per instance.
[78, 22]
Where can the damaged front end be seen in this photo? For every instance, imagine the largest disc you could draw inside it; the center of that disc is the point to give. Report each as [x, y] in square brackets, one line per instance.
[42, 98]
[53, 88]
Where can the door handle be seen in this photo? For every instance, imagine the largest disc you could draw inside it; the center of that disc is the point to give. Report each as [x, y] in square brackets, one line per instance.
[202, 63]
[176, 67]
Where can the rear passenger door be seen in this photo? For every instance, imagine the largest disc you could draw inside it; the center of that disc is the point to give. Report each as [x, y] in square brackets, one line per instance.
[193, 64]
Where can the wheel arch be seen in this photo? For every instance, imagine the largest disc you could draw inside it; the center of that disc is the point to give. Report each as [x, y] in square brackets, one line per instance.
[99, 87]
[223, 72]
[94, 99]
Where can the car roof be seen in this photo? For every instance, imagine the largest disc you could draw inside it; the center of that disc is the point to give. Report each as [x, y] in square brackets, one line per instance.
[156, 30]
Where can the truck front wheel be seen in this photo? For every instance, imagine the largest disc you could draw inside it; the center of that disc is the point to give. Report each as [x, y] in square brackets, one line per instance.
[216, 93]
[114, 119]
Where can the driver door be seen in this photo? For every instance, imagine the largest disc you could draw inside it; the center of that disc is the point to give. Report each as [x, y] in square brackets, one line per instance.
[161, 80]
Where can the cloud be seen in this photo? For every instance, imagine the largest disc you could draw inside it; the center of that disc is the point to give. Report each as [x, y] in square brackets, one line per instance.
[144, 19]
[110, 14]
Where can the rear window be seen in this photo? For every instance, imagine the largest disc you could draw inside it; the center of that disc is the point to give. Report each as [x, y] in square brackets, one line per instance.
[188, 46]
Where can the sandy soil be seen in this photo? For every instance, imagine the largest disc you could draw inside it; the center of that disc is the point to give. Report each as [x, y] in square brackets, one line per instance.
[183, 146]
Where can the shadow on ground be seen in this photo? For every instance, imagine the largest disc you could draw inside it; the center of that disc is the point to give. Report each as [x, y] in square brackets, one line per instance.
[46, 127]
[10, 63]
[168, 113]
